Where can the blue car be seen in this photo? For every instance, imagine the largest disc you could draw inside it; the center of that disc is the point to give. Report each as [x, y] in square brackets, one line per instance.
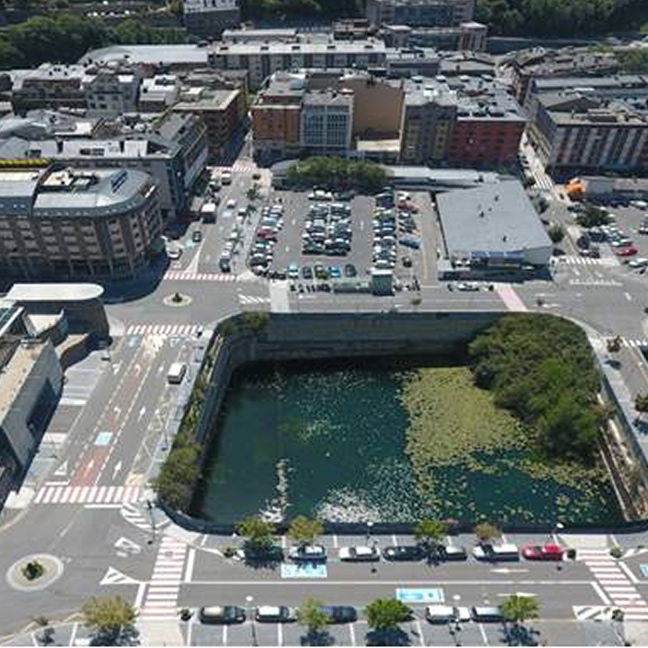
[335, 272]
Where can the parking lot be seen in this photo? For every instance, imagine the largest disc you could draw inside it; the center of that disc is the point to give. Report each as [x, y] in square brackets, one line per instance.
[417, 632]
[345, 238]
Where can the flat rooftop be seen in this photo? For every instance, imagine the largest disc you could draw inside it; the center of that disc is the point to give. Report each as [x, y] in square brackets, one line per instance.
[54, 292]
[15, 373]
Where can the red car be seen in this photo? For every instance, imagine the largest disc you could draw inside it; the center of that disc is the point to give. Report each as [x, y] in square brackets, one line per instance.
[543, 552]
[630, 250]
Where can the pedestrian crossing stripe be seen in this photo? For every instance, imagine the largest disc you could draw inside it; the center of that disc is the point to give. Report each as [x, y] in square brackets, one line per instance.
[594, 282]
[87, 494]
[577, 260]
[115, 577]
[179, 275]
[250, 299]
[169, 330]
[593, 612]
[637, 344]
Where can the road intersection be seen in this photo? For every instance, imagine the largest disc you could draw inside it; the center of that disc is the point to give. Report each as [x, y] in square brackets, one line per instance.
[85, 499]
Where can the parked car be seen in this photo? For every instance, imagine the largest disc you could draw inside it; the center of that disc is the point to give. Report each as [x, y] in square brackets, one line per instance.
[494, 553]
[196, 236]
[340, 613]
[450, 552]
[630, 250]
[335, 272]
[350, 270]
[231, 203]
[308, 553]
[174, 253]
[641, 262]
[293, 271]
[411, 241]
[543, 552]
[221, 614]
[275, 614]
[359, 554]
[403, 552]
[468, 286]
[307, 272]
[487, 613]
[439, 613]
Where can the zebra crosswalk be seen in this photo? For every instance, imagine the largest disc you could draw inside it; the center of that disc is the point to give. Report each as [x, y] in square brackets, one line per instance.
[250, 299]
[636, 344]
[87, 494]
[180, 275]
[140, 518]
[615, 583]
[589, 261]
[240, 166]
[161, 600]
[594, 282]
[184, 330]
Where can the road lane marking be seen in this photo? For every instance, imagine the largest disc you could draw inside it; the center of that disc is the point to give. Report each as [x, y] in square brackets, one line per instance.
[191, 559]
[483, 634]
[628, 572]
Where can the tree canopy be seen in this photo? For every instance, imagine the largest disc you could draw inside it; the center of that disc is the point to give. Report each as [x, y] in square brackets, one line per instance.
[560, 18]
[337, 174]
[304, 530]
[541, 368]
[385, 614]
[64, 38]
[257, 532]
[110, 618]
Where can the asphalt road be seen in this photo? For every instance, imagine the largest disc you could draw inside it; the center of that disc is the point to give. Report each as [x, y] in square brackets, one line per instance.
[76, 503]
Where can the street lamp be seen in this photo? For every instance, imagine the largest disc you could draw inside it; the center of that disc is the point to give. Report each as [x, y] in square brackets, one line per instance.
[559, 526]
[249, 599]
[369, 527]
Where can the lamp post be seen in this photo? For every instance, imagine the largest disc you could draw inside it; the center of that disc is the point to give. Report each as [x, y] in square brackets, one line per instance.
[369, 528]
[559, 526]
[249, 599]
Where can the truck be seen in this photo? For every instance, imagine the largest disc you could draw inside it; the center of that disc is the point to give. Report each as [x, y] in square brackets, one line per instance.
[208, 212]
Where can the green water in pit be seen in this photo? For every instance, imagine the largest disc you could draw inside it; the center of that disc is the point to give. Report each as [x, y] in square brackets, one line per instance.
[329, 439]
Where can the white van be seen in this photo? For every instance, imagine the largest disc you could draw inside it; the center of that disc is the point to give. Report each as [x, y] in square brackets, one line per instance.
[439, 613]
[176, 373]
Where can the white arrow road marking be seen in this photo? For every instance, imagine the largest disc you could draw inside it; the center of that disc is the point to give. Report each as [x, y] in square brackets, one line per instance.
[141, 413]
[127, 545]
[115, 577]
[61, 471]
[116, 469]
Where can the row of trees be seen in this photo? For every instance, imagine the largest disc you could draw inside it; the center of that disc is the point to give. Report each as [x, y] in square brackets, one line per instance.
[337, 174]
[306, 9]
[112, 619]
[560, 18]
[64, 38]
[541, 368]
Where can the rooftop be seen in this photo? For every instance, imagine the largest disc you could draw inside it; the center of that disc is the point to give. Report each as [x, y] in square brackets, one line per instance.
[206, 99]
[150, 54]
[491, 218]
[54, 292]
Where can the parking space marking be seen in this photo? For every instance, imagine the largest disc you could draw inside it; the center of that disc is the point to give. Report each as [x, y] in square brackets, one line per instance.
[419, 630]
[225, 635]
[279, 634]
[352, 634]
[420, 595]
[483, 634]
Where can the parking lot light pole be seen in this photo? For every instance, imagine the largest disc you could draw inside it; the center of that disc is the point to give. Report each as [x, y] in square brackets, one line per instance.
[249, 599]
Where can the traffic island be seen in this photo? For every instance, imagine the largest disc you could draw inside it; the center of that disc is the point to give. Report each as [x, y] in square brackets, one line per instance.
[177, 300]
[34, 573]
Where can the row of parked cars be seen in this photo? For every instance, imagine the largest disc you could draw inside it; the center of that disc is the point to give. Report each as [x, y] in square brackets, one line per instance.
[327, 229]
[262, 251]
[438, 614]
[489, 552]
[393, 223]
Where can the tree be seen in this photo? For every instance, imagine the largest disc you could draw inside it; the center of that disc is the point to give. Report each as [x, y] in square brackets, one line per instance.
[556, 233]
[253, 192]
[430, 532]
[257, 532]
[487, 532]
[614, 344]
[177, 478]
[641, 403]
[593, 217]
[384, 615]
[304, 530]
[311, 615]
[111, 618]
[519, 609]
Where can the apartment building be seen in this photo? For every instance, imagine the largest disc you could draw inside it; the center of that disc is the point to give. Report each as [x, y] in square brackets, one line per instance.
[158, 93]
[208, 18]
[111, 90]
[326, 122]
[261, 60]
[50, 85]
[462, 121]
[420, 13]
[77, 223]
[577, 132]
[222, 112]
[173, 151]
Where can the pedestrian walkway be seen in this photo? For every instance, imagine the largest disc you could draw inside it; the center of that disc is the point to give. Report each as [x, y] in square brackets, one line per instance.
[184, 330]
[180, 275]
[636, 343]
[615, 583]
[589, 261]
[161, 599]
[240, 166]
[61, 494]
[510, 298]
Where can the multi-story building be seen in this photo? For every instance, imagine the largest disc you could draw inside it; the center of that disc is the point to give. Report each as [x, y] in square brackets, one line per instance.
[158, 93]
[208, 18]
[326, 122]
[77, 223]
[577, 132]
[460, 121]
[111, 90]
[468, 37]
[420, 13]
[222, 112]
[541, 63]
[284, 34]
[261, 60]
[174, 151]
[48, 86]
